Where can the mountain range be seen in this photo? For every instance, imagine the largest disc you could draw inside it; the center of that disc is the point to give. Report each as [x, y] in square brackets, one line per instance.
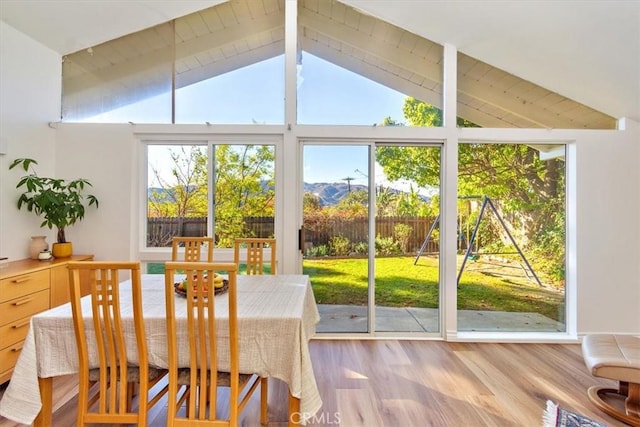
[328, 193]
[331, 193]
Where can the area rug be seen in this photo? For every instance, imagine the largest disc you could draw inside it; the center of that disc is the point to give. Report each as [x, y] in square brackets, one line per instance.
[555, 416]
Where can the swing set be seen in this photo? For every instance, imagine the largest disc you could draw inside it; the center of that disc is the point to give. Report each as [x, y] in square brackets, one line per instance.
[469, 253]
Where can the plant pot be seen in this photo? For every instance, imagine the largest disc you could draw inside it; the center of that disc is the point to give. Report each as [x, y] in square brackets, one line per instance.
[62, 250]
[38, 244]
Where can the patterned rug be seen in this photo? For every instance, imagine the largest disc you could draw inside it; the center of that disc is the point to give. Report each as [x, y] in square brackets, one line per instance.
[556, 416]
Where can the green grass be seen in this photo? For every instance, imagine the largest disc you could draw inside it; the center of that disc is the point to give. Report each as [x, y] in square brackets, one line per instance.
[399, 283]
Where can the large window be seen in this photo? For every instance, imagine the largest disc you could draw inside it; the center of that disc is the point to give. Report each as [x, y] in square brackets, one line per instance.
[511, 238]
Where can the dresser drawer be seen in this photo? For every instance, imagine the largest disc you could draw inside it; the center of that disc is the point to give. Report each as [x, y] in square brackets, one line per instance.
[9, 356]
[14, 331]
[16, 286]
[24, 306]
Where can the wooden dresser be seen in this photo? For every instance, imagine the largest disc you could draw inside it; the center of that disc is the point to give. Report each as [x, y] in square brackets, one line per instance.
[28, 287]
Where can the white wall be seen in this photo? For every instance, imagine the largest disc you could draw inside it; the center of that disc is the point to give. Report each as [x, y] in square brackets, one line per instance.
[608, 232]
[105, 155]
[30, 85]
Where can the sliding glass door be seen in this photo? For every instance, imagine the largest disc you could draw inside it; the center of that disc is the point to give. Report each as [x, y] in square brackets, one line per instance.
[336, 233]
[370, 239]
[407, 239]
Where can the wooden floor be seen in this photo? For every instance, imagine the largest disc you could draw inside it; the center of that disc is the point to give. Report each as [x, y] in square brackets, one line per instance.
[418, 383]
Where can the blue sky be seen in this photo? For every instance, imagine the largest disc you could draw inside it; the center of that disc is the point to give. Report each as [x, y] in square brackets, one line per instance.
[327, 94]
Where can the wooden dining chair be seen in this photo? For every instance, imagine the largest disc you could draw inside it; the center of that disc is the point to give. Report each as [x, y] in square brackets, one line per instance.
[106, 391]
[192, 248]
[254, 249]
[197, 385]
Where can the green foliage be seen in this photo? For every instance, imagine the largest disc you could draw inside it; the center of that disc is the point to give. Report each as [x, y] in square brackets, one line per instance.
[244, 186]
[411, 204]
[549, 255]
[318, 251]
[361, 248]
[354, 204]
[417, 164]
[340, 246]
[402, 232]
[387, 246]
[310, 203]
[61, 203]
[385, 201]
[420, 113]
[527, 191]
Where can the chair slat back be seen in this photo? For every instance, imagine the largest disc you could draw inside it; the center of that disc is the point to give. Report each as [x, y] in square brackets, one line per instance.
[254, 249]
[108, 334]
[202, 332]
[192, 248]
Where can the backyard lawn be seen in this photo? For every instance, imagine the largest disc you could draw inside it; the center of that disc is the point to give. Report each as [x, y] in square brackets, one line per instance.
[399, 283]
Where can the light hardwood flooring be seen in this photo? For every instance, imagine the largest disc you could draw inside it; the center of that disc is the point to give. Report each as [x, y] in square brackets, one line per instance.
[418, 383]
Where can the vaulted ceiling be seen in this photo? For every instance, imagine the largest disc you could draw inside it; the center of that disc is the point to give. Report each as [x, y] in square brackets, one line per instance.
[241, 32]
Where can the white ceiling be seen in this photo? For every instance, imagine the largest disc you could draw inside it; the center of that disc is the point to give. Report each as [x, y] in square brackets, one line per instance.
[588, 51]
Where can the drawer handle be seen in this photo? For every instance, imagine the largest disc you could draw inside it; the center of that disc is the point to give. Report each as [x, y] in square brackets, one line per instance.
[21, 280]
[21, 325]
[15, 349]
[23, 301]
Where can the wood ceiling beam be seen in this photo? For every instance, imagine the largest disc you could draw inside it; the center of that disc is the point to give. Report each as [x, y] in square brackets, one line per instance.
[369, 44]
[376, 74]
[238, 61]
[126, 70]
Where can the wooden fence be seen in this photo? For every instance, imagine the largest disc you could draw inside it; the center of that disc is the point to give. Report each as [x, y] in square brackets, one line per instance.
[160, 230]
[357, 231]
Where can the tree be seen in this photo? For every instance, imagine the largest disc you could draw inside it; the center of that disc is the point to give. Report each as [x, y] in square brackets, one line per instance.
[528, 191]
[353, 204]
[244, 186]
[182, 192]
[185, 195]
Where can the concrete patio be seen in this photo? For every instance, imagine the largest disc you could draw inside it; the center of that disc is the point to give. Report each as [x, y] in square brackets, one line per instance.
[352, 318]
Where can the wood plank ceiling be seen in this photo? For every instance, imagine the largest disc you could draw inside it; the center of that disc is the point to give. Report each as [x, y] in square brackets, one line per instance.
[238, 33]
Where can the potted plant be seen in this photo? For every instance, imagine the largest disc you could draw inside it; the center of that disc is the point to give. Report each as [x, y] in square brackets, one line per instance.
[60, 202]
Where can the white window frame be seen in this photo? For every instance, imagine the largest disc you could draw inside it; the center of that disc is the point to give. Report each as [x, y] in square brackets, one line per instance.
[162, 254]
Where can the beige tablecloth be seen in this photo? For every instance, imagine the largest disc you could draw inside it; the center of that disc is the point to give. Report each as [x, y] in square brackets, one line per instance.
[277, 316]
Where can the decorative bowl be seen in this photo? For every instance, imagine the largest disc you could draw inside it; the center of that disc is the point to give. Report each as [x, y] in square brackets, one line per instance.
[183, 293]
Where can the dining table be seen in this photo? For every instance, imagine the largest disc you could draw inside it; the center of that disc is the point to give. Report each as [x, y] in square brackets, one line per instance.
[277, 317]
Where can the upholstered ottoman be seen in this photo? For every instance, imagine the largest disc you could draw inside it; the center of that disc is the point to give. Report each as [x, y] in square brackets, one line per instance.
[616, 357]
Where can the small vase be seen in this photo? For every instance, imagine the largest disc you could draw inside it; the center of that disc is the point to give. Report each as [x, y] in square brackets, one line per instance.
[38, 244]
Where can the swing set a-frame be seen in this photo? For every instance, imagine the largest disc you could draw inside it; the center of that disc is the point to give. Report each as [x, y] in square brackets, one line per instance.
[486, 201]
